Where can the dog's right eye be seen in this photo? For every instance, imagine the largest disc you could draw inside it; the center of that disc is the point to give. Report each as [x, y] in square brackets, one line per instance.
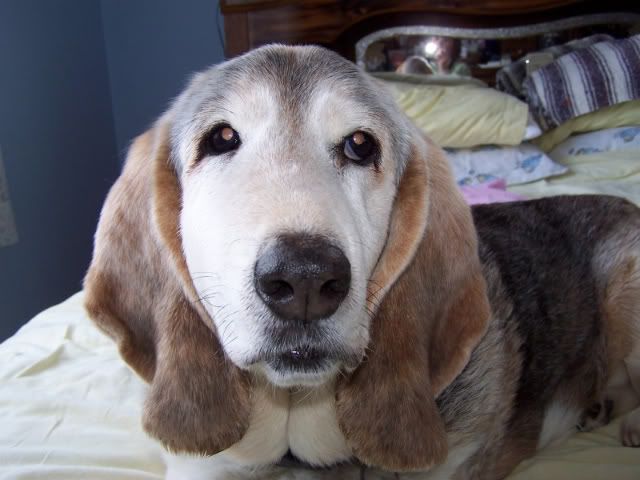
[360, 148]
[222, 139]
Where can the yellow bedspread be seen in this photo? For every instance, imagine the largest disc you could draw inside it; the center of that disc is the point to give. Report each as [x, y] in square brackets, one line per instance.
[70, 409]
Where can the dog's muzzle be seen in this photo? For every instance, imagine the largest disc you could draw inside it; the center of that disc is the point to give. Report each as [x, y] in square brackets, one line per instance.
[302, 279]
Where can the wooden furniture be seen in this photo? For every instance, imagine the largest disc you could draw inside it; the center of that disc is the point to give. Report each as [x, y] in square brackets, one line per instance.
[339, 24]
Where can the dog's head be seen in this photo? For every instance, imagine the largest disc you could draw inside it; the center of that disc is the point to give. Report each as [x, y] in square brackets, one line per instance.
[283, 219]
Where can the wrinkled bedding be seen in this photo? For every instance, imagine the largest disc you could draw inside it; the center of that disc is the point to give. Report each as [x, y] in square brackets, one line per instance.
[70, 409]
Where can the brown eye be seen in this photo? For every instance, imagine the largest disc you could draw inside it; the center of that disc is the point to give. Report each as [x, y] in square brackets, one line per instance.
[361, 148]
[222, 139]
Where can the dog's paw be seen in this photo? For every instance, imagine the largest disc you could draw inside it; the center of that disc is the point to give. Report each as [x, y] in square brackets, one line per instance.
[630, 429]
[596, 416]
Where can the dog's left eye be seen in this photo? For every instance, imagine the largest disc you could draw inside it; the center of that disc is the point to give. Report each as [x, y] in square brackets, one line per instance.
[360, 147]
[222, 139]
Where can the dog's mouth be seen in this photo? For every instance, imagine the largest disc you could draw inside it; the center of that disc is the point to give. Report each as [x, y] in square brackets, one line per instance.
[302, 359]
[301, 367]
[305, 365]
[303, 355]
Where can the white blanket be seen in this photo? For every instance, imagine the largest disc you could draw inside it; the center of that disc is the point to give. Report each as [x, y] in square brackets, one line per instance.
[70, 409]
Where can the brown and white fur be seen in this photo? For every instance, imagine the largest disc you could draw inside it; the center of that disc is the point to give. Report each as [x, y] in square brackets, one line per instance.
[458, 345]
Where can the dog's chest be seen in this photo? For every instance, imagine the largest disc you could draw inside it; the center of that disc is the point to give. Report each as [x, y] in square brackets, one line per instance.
[303, 422]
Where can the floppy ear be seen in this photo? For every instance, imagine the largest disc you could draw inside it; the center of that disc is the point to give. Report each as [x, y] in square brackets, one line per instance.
[432, 310]
[139, 292]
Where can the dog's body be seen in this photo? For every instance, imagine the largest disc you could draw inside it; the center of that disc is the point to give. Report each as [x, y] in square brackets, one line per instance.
[562, 278]
[420, 342]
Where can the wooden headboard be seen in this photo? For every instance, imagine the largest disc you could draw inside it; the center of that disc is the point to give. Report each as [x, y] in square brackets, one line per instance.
[339, 24]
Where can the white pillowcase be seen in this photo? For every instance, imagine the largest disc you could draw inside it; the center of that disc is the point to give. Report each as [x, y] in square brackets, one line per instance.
[609, 140]
[532, 130]
[521, 164]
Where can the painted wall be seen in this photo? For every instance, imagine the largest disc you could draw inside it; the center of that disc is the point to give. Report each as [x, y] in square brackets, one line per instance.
[58, 144]
[153, 47]
[79, 80]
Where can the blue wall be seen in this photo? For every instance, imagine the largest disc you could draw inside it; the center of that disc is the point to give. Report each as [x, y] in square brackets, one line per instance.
[153, 46]
[79, 79]
[58, 145]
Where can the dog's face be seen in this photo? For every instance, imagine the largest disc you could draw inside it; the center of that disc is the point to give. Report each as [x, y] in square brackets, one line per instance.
[288, 162]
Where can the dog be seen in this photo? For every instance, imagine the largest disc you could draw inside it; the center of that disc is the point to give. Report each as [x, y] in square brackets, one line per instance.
[288, 262]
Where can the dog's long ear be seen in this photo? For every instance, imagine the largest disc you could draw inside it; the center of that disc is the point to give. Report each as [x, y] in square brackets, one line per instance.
[432, 309]
[139, 292]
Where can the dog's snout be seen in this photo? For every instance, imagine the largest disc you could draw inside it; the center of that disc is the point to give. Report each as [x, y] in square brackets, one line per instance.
[302, 277]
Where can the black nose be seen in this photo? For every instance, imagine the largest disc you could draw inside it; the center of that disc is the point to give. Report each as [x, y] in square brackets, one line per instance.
[302, 277]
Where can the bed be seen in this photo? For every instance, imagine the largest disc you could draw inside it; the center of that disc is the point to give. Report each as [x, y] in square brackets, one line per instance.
[70, 409]
[69, 406]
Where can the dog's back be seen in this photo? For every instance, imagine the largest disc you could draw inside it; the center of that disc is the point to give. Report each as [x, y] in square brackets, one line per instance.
[561, 260]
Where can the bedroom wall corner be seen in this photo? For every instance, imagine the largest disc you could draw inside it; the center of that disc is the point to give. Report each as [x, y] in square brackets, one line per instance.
[59, 150]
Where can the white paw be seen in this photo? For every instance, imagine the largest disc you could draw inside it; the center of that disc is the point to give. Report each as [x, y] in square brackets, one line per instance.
[630, 429]
[598, 415]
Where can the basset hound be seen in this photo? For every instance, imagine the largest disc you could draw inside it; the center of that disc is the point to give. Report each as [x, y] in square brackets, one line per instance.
[288, 263]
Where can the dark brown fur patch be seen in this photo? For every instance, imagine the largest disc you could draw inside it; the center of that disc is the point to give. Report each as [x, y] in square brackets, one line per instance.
[545, 252]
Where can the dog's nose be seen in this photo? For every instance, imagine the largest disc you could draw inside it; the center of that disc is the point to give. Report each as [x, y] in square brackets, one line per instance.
[302, 277]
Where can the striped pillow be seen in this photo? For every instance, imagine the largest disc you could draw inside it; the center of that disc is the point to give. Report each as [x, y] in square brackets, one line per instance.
[583, 81]
[509, 79]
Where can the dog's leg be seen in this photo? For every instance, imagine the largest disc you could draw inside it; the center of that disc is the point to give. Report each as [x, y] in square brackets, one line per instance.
[620, 259]
[630, 428]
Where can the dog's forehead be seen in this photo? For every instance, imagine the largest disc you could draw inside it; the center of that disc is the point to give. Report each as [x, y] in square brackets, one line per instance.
[296, 72]
[286, 76]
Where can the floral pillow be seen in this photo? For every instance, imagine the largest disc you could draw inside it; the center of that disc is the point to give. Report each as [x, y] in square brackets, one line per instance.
[609, 140]
[522, 164]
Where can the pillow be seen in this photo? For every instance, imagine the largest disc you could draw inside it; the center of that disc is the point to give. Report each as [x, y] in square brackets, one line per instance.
[509, 78]
[585, 80]
[522, 164]
[610, 140]
[431, 79]
[462, 116]
[491, 192]
[532, 130]
[621, 115]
